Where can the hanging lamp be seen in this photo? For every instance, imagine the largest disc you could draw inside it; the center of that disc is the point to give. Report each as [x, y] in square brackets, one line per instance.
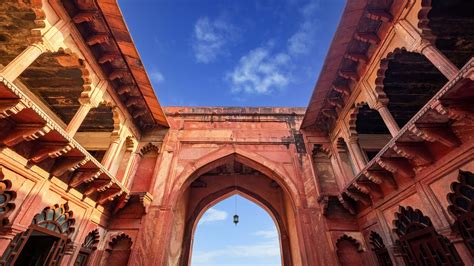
[236, 217]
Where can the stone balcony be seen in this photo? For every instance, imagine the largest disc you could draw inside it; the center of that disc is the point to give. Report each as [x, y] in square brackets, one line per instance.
[33, 135]
[440, 128]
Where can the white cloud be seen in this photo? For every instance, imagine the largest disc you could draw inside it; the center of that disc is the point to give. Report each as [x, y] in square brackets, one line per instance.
[260, 72]
[156, 76]
[259, 250]
[213, 215]
[302, 40]
[272, 234]
[210, 38]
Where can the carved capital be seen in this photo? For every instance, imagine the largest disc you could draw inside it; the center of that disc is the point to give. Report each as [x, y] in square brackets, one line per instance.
[421, 45]
[353, 139]
[380, 104]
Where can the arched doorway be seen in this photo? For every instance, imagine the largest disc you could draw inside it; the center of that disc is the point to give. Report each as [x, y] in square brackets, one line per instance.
[348, 251]
[45, 240]
[225, 176]
[118, 251]
[253, 240]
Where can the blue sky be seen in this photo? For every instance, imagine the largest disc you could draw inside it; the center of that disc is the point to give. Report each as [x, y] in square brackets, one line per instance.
[254, 241]
[232, 52]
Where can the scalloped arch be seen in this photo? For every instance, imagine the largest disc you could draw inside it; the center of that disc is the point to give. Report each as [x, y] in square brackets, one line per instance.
[461, 206]
[461, 198]
[353, 117]
[150, 147]
[354, 241]
[423, 20]
[7, 196]
[57, 218]
[91, 240]
[381, 72]
[409, 220]
[376, 241]
[116, 238]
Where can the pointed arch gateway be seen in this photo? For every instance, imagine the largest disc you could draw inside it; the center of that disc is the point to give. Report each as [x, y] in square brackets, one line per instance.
[213, 178]
[214, 198]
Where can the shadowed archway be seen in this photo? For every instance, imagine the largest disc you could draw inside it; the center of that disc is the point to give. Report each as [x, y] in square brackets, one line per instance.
[219, 157]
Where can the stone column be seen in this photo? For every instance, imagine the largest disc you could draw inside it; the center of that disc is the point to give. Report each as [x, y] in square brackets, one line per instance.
[117, 158]
[112, 150]
[356, 153]
[159, 222]
[22, 61]
[439, 60]
[7, 236]
[415, 42]
[132, 169]
[388, 119]
[78, 118]
[128, 161]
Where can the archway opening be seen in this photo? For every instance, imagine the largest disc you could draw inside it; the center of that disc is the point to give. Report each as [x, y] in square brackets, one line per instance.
[222, 178]
[37, 249]
[372, 132]
[253, 241]
[410, 80]
[45, 240]
[450, 25]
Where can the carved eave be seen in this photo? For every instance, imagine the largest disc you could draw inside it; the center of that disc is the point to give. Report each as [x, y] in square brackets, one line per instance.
[443, 121]
[102, 26]
[39, 139]
[136, 202]
[327, 203]
[145, 199]
[362, 26]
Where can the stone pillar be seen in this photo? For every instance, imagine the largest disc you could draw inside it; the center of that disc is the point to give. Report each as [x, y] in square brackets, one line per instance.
[89, 99]
[356, 153]
[128, 161]
[132, 169]
[439, 60]
[347, 164]
[78, 118]
[22, 61]
[117, 158]
[112, 150]
[315, 248]
[6, 236]
[157, 228]
[70, 254]
[415, 42]
[388, 119]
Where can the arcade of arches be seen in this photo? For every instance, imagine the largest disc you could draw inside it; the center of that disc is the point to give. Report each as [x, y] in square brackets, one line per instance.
[377, 170]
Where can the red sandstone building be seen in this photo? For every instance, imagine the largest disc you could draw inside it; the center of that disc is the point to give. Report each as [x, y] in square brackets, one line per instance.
[378, 170]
